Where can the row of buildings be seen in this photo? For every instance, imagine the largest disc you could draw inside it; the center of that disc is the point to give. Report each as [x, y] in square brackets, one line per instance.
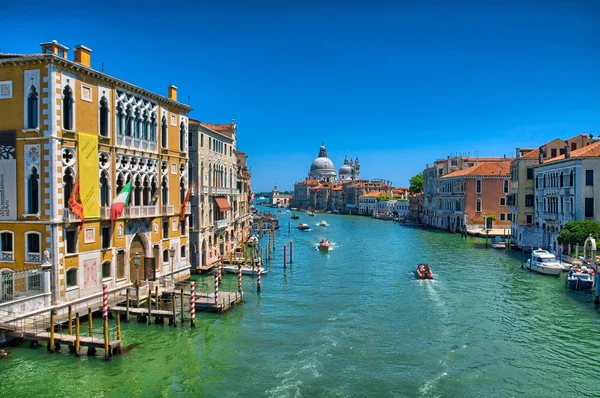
[532, 195]
[71, 138]
[344, 192]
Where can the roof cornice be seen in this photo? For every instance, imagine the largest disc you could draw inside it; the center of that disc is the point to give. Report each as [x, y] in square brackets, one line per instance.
[54, 59]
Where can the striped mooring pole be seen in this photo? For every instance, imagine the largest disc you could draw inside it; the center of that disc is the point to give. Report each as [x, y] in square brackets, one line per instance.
[219, 266]
[216, 289]
[258, 275]
[240, 279]
[193, 303]
[105, 317]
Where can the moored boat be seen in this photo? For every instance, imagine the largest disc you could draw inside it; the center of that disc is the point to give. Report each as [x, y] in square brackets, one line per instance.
[253, 241]
[580, 278]
[423, 271]
[310, 213]
[543, 262]
[295, 216]
[498, 243]
[303, 227]
[246, 269]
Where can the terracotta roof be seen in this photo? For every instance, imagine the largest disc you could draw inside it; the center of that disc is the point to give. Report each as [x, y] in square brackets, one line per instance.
[592, 150]
[337, 188]
[533, 154]
[12, 55]
[309, 182]
[485, 169]
[371, 195]
[316, 187]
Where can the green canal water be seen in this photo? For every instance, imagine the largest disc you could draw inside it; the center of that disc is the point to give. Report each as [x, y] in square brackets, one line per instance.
[354, 323]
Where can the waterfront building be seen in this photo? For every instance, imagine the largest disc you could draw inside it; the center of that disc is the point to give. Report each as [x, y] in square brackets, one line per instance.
[402, 208]
[472, 195]
[415, 205]
[337, 202]
[72, 139]
[521, 199]
[302, 199]
[320, 198]
[279, 200]
[566, 189]
[243, 220]
[215, 225]
[385, 208]
[367, 203]
[433, 186]
[351, 193]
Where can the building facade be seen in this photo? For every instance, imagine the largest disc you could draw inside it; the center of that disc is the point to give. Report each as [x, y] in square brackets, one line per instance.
[67, 127]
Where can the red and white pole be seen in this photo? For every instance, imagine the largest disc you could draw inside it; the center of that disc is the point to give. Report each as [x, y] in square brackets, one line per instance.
[105, 301]
[192, 303]
[240, 279]
[219, 268]
[216, 289]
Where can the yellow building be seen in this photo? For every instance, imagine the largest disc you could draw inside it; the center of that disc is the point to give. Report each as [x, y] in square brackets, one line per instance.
[62, 122]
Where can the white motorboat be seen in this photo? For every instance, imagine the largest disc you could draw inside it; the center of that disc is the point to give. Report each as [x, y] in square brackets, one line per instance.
[498, 243]
[246, 269]
[544, 262]
[323, 224]
[303, 226]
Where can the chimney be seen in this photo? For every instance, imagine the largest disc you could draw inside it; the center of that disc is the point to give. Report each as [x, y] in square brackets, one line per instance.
[567, 152]
[82, 55]
[172, 92]
[518, 152]
[55, 49]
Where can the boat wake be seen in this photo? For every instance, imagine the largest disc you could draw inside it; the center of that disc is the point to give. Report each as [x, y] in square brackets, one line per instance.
[428, 388]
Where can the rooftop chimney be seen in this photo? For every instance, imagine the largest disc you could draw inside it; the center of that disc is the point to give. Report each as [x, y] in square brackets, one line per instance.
[82, 55]
[54, 48]
[567, 152]
[172, 92]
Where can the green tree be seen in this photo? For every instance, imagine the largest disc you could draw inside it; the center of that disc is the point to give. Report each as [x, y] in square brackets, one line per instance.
[416, 184]
[384, 197]
[577, 231]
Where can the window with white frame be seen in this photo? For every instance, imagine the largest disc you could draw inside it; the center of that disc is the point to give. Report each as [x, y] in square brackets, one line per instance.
[478, 186]
[6, 246]
[33, 247]
[33, 191]
[32, 108]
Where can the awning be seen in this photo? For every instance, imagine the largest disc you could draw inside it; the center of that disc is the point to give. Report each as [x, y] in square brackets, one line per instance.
[222, 204]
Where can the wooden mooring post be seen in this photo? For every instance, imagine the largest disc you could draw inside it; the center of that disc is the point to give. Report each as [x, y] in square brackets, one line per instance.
[284, 255]
[126, 305]
[182, 306]
[51, 342]
[70, 324]
[77, 334]
[291, 251]
[148, 320]
[192, 304]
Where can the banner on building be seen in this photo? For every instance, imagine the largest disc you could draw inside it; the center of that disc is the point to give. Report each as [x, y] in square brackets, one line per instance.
[8, 176]
[88, 170]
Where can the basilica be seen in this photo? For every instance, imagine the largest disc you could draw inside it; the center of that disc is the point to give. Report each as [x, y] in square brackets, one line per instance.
[322, 169]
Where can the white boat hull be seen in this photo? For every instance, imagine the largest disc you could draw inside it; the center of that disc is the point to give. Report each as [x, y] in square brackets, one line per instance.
[245, 270]
[501, 245]
[546, 270]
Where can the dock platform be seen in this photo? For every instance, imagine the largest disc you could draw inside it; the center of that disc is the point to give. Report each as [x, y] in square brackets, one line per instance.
[206, 302]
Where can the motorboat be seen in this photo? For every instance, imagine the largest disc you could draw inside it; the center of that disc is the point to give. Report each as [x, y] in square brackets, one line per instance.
[295, 216]
[580, 278]
[324, 245]
[310, 213]
[544, 262]
[303, 227]
[323, 224]
[423, 271]
[247, 269]
[498, 243]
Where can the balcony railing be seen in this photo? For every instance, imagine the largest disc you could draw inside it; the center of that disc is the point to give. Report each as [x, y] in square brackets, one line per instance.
[220, 191]
[68, 216]
[221, 223]
[136, 143]
[140, 211]
[203, 190]
[168, 209]
[105, 212]
[246, 217]
[34, 257]
[7, 256]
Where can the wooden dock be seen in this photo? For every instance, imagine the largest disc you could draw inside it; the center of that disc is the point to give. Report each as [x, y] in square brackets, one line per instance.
[144, 313]
[64, 338]
[206, 302]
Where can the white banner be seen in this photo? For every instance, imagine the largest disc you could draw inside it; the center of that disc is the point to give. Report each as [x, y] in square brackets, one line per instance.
[8, 189]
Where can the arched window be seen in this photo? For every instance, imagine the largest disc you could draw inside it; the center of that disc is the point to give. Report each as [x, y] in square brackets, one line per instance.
[67, 110]
[68, 182]
[153, 128]
[183, 251]
[119, 119]
[478, 186]
[145, 126]
[165, 191]
[182, 137]
[478, 206]
[165, 256]
[505, 186]
[561, 179]
[137, 191]
[104, 117]
[104, 190]
[71, 277]
[33, 192]
[128, 121]
[106, 268]
[163, 127]
[571, 178]
[7, 285]
[6, 246]
[32, 109]
[136, 124]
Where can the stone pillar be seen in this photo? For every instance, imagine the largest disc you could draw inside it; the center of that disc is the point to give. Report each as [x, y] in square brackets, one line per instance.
[46, 279]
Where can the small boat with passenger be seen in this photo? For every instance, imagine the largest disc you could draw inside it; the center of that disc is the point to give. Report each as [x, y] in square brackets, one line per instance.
[295, 216]
[303, 227]
[580, 278]
[324, 245]
[323, 224]
[423, 271]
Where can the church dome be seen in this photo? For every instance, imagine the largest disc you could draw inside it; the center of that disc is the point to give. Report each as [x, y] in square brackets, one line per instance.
[322, 166]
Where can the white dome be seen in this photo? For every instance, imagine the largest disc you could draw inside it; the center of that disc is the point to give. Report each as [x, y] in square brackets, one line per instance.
[322, 164]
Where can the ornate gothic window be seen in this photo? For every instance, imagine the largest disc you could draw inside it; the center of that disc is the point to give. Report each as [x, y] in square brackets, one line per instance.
[153, 128]
[478, 186]
[182, 137]
[104, 190]
[163, 127]
[165, 191]
[67, 110]
[68, 182]
[104, 117]
[32, 109]
[128, 121]
[33, 192]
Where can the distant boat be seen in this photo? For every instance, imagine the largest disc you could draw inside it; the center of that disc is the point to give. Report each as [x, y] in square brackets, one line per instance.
[262, 198]
[295, 216]
[310, 213]
[580, 278]
[323, 224]
[423, 271]
[246, 269]
[324, 245]
[303, 227]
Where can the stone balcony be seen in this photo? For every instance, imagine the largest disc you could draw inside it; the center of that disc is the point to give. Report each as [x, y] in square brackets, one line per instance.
[136, 144]
[69, 217]
[168, 210]
[221, 224]
[34, 258]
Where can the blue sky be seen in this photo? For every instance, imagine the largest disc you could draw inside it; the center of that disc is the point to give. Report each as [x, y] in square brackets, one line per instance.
[396, 83]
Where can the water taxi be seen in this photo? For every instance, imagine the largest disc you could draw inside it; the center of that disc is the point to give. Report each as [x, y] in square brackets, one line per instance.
[324, 245]
[323, 224]
[303, 226]
[580, 278]
[423, 271]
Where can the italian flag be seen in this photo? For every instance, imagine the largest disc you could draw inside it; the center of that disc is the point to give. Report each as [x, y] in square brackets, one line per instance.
[122, 200]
